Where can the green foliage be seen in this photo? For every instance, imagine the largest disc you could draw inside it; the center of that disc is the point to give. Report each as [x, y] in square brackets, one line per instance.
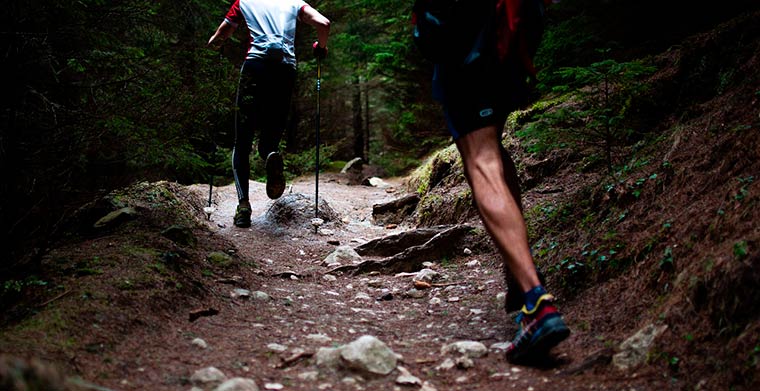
[17, 286]
[105, 93]
[598, 103]
[667, 261]
[741, 250]
[297, 164]
[743, 190]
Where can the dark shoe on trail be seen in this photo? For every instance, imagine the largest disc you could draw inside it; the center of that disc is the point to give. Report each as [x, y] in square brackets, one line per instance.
[540, 330]
[275, 175]
[243, 215]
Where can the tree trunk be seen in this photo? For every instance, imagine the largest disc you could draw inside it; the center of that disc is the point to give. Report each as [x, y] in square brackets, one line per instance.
[358, 122]
[366, 124]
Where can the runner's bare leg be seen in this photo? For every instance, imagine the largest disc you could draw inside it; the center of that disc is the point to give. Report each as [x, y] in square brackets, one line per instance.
[498, 209]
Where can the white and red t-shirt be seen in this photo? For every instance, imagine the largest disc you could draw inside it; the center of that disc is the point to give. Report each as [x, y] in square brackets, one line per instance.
[272, 26]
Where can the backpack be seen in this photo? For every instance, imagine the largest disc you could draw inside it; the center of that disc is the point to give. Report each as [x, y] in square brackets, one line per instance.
[457, 31]
[447, 31]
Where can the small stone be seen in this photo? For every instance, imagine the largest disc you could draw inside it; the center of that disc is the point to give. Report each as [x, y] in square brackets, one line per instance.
[377, 182]
[369, 354]
[447, 364]
[476, 311]
[199, 343]
[426, 386]
[473, 263]
[414, 293]
[362, 296]
[342, 255]
[326, 232]
[515, 369]
[275, 347]
[238, 384]
[501, 300]
[461, 379]
[635, 349]
[261, 296]
[207, 377]
[116, 217]
[499, 346]
[375, 283]
[464, 362]
[240, 294]
[500, 375]
[467, 251]
[391, 226]
[427, 275]
[405, 378]
[349, 380]
[435, 301]
[472, 349]
[319, 338]
[309, 376]
[273, 386]
[453, 299]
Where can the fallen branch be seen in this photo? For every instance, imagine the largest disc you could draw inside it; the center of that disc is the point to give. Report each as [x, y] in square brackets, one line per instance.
[195, 314]
[55, 298]
[413, 257]
[427, 285]
[286, 362]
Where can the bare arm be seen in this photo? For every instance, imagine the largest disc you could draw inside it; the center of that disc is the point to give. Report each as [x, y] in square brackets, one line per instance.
[312, 17]
[223, 32]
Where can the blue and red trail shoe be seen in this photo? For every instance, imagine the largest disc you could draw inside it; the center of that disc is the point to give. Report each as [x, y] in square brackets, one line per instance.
[540, 330]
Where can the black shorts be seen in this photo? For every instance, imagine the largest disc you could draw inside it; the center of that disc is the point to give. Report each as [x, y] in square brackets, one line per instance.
[479, 94]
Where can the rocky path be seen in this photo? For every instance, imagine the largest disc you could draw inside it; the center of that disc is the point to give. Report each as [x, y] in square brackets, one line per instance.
[285, 305]
[288, 324]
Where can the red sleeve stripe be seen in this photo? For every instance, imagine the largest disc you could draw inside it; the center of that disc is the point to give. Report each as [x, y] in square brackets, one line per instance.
[234, 15]
[300, 12]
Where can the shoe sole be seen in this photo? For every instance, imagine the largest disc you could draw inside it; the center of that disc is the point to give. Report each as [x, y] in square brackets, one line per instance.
[556, 332]
[242, 221]
[242, 224]
[275, 176]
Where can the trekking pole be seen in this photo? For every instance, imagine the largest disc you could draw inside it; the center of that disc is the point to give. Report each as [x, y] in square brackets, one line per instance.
[210, 209]
[316, 174]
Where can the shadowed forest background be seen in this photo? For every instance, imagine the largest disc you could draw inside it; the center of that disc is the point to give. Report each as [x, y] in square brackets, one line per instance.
[98, 94]
[638, 158]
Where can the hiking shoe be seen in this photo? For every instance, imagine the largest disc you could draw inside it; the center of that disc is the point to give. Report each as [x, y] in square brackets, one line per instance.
[275, 175]
[243, 214]
[540, 330]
